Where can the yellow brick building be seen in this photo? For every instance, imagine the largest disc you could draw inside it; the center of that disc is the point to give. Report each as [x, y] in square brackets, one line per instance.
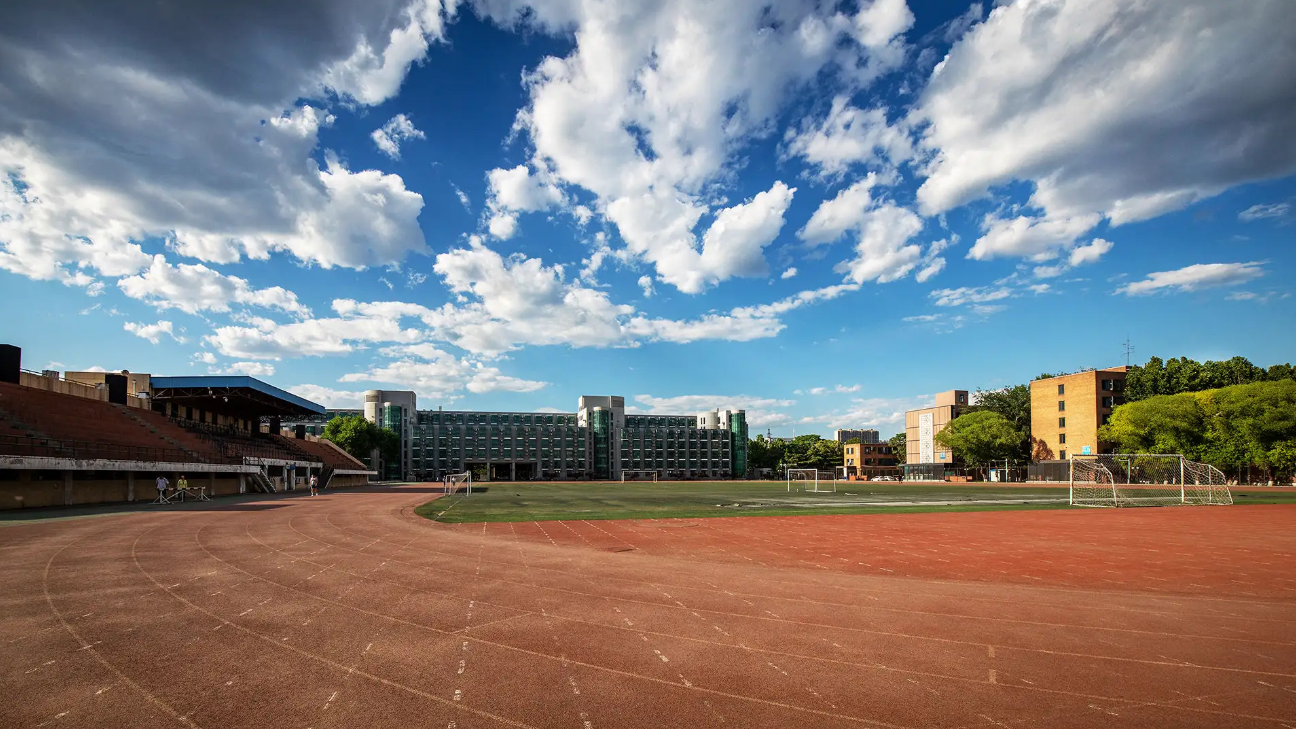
[1067, 411]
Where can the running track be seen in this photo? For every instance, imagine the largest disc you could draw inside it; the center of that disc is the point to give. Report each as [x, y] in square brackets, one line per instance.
[349, 611]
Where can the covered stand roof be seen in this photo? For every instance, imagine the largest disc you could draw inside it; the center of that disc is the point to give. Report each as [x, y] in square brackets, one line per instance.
[234, 395]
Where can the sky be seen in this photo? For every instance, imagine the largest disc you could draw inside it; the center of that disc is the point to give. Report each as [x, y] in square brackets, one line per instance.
[820, 212]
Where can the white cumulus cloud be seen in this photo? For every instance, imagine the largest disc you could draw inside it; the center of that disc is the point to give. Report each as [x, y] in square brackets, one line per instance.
[1195, 277]
[391, 135]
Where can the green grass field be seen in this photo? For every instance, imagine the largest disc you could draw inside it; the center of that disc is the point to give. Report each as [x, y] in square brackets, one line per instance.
[540, 501]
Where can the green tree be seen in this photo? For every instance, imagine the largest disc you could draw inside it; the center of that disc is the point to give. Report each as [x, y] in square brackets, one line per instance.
[1158, 424]
[1014, 404]
[898, 446]
[981, 437]
[1230, 427]
[359, 437]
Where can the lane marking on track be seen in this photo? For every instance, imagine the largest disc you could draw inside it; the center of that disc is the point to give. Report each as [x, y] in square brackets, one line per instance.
[867, 665]
[992, 675]
[1060, 590]
[306, 654]
[330, 700]
[165, 707]
[836, 604]
[603, 668]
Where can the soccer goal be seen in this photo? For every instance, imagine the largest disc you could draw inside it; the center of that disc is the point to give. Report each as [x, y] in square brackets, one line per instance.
[453, 481]
[810, 479]
[1146, 479]
[638, 476]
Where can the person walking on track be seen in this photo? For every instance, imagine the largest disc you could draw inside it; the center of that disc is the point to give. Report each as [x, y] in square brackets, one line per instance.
[314, 485]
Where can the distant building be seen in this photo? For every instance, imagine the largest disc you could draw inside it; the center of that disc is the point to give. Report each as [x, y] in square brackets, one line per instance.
[925, 459]
[600, 441]
[1067, 411]
[865, 460]
[863, 436]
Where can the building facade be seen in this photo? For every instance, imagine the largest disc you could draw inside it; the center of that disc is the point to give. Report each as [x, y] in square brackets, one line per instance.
[598, 441]
[863, 460]
[867, 435]
[1067, 411]
[924, 457]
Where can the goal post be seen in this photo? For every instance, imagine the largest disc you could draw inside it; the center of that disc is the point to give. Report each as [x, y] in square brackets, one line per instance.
[811, 479]
[1145, 479]
[454, 480]
[638, 476]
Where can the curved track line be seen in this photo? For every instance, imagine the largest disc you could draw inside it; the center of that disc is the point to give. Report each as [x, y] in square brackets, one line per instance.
[503, 646]
[89, 647]
[321, 659]
[612, 626]
[1065, 626]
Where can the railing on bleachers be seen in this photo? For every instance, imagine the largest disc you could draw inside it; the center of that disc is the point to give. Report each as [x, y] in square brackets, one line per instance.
[234, 443]
[26, 445]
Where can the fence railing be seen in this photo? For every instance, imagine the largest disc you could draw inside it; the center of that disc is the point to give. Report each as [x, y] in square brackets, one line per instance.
[25, 445]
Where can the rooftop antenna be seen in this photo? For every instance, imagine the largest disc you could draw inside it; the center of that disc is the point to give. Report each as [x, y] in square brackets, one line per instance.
[1129, 349]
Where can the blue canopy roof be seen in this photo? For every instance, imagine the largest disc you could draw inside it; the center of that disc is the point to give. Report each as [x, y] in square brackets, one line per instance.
[236, 382]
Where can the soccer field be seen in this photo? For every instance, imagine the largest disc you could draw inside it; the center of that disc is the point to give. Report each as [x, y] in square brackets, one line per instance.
[544, 501]
[532, 501]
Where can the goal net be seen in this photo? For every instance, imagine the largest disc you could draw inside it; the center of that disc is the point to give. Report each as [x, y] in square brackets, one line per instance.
[638, 476]
[810, 479]
[455, 480]
[1128, 479]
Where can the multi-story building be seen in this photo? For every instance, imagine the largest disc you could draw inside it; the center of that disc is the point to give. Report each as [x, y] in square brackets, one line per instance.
[864, 460]
[598, 441]
[924, 457]
[867, 435]
[1067, 411]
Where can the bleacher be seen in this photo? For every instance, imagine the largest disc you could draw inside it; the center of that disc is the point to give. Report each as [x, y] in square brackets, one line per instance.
[325, 453]
[41, 423]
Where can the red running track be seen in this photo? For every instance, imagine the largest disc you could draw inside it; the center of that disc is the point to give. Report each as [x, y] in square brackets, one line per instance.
[349, 611]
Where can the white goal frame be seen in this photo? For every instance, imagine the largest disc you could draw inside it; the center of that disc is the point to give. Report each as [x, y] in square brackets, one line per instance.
[810, 477]
[653, 473]
[452, 479]
[1145, 479]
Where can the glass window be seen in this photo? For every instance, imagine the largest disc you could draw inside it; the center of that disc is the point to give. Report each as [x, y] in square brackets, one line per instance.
[1061, 437]
[1061, 422]
[1061, 405]
[1062, 455]
[1061, 389]
[1108, 402]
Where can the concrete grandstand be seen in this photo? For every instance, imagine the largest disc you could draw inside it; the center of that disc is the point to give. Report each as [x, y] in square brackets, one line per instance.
[100, 437]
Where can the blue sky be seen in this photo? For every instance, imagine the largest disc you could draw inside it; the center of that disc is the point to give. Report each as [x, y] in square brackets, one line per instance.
[820, 212]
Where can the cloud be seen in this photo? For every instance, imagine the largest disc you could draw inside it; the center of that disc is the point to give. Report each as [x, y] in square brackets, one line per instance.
[659, 229]
[514, 191]
[1195, 277]
[389, 136]
[883, 253]
[196, 136]
[251, 369]
[374, 70]
[463, 197]
[761, 412]
[1261, 212]
[328, 397]
[1110, 109]
[192, 288]
[205, 358]
[849, 136]
[1039, 239]
[1089, 253]
[791, 272]
[435, 373]
[845, 211]
[871, 412]
[652, 104]
[646, 283]
[968, 295]
[152, 332]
